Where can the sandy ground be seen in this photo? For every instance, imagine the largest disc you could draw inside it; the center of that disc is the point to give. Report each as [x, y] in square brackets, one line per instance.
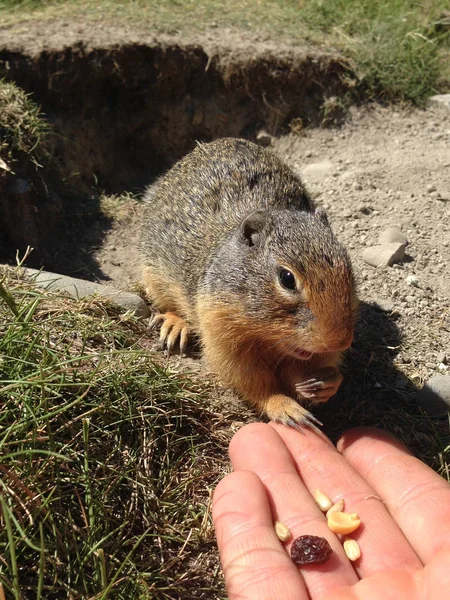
[384, 168]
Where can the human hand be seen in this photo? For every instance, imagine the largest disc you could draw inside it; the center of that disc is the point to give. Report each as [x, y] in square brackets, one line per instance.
[404, 508]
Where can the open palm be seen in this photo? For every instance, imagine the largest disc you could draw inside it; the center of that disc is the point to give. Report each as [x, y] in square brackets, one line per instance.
[404, 508]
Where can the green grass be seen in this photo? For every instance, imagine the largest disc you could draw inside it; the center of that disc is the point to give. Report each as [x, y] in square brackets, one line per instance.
[108, 457]
[23, 131]
[400, 48]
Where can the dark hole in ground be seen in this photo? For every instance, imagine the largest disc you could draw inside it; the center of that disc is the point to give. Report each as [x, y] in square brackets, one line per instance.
[122, 115]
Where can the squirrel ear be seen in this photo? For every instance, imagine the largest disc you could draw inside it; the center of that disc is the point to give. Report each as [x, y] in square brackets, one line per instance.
[322, 215]
[252, 226]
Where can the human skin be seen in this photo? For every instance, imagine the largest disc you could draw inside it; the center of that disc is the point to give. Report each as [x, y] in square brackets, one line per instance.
[404, 508]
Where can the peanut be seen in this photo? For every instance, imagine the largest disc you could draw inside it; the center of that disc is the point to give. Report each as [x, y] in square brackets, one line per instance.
[322, 500]
[341, 522]
[352, 549]
[282, 531]
[337, 507]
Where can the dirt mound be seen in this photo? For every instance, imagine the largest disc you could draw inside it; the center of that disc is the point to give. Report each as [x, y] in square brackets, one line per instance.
[125, 111]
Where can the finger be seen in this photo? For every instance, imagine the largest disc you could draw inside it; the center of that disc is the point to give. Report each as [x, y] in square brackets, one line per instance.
[254, 561]
[416, 496]
[381, 541]
[259, 448]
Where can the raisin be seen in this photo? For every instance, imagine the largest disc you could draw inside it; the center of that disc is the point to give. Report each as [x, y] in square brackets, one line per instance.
[310, 549]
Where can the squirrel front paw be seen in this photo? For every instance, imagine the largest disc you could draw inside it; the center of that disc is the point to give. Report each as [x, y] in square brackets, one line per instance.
[173, 328]
[321, 385]
[283, 409]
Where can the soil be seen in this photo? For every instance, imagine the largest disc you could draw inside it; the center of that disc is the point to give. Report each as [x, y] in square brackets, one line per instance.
[125, 104]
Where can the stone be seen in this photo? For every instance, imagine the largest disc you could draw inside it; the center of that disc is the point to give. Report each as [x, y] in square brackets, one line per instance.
[442, 357]
[412, 280]
[318, 170]
[80, 288]
[442, 100]
[391, 235]
[384, 304]
[384, 255]
[434, 397]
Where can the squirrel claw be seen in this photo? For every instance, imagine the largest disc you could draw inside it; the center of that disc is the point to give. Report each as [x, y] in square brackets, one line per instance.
[154, 322]
[173, 329]
[308, 420]
[287, 411]
[323, 384]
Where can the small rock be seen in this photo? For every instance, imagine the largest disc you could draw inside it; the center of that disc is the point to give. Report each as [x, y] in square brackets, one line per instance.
[442, 100]
[318, 170]
[434, 397]
[263, 138]
[366, 210]
[431, 188]
[384, 255]
[80, 288]
[412, 280]
[442, 357]
[392, 235]
[384, 304]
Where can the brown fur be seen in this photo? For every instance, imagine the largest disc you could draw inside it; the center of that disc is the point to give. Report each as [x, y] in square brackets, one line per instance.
[220, 228]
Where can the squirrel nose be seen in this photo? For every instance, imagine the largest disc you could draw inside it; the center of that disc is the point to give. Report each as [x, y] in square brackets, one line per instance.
[341, 340]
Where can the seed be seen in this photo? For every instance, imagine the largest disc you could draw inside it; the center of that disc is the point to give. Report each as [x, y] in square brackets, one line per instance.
[352, 549]
[337, 507]
[322, 500]
[308, 549]
[342, 522]
[282, 531]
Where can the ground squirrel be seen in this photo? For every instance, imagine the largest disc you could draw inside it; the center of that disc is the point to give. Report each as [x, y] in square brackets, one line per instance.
[235, 253]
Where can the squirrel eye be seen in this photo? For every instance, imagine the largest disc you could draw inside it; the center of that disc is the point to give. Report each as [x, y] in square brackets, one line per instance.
[287, 279]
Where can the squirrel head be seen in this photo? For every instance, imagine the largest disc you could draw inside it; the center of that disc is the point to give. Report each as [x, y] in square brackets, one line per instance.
[290, 281]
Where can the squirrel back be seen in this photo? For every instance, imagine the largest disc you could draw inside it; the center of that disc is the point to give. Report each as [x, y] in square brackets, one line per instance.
[235, 252]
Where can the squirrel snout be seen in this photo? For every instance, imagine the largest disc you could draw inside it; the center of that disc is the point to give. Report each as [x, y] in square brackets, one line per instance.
[340, 340]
